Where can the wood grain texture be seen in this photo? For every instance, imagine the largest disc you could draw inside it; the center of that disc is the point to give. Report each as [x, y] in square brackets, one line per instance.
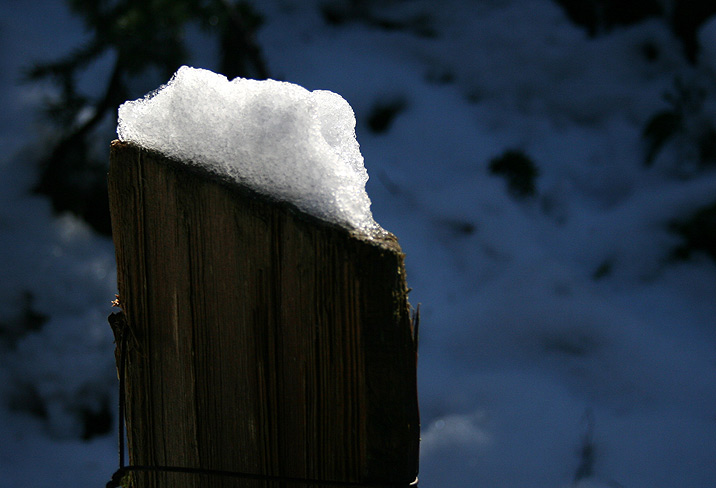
[268, 341]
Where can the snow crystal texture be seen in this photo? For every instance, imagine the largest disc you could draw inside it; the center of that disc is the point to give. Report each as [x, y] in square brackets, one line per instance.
[276, 137]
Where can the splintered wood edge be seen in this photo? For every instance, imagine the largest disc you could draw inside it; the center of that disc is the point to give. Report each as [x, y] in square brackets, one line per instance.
[380, 238]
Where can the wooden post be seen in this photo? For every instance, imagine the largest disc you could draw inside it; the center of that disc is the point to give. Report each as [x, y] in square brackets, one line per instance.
[262, 340]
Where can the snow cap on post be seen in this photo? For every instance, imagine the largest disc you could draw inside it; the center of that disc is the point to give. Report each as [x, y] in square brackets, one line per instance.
[275, 137]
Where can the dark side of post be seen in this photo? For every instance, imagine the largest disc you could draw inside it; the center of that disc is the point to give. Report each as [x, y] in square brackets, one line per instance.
[263, 347]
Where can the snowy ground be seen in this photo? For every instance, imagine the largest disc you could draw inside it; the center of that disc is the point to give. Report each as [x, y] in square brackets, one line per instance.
[561, 345]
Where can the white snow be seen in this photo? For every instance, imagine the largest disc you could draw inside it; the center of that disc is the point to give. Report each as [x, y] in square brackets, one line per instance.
[276, 137]
[549, 324]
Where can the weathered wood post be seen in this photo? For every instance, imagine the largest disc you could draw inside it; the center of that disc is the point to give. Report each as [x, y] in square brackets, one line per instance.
[261, 340]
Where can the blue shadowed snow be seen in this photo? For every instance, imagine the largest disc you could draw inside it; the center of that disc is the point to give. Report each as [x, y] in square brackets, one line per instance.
[561, 346]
